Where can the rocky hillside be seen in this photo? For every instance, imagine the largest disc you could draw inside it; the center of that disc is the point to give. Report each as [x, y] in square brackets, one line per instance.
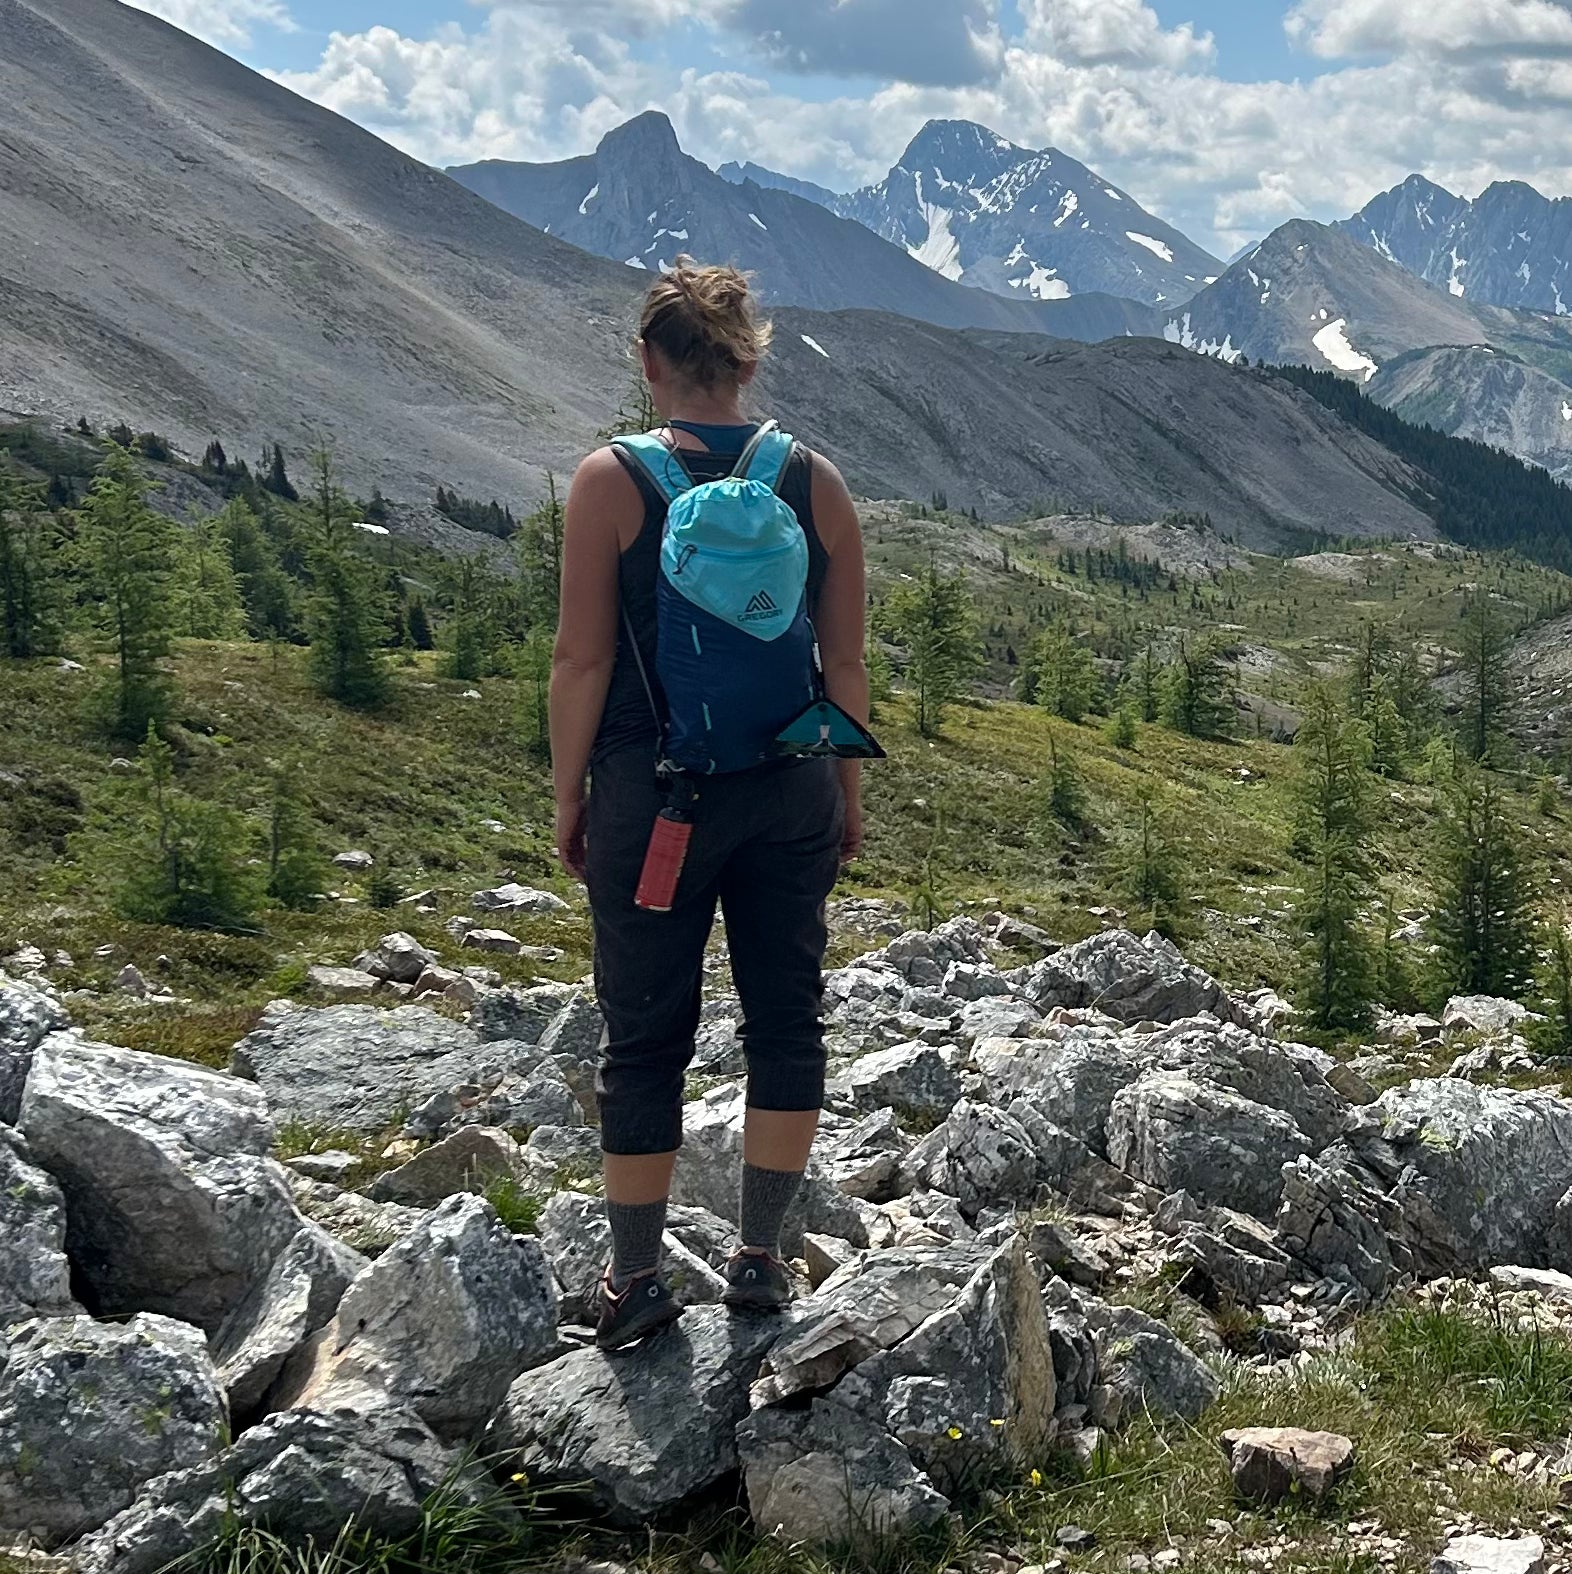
[1509, 246]
[1314, 296]
[1488, 394]
[641, 201]
[356, 295]
[1041, 225]
[1022, 1142]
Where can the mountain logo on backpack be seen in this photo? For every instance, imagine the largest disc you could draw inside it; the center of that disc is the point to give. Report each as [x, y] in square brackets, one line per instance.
[762, 606]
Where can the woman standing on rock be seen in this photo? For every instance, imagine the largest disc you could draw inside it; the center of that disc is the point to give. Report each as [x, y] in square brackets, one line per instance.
[709, 670]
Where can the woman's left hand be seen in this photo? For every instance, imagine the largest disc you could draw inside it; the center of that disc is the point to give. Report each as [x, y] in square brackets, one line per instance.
[572, 823]
[851, 837]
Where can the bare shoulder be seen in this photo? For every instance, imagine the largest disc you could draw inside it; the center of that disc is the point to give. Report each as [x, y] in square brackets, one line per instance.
[601, 471]
[834, 512]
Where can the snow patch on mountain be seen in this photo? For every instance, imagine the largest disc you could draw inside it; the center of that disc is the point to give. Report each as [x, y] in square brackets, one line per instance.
[1156, 247]
[1332, 342]
[590, 196]
[813, 344]
[1179, 331]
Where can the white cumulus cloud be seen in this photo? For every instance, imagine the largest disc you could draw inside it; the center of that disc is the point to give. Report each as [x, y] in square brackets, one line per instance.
[227, 23]
[1465, 91]
[1098, 32]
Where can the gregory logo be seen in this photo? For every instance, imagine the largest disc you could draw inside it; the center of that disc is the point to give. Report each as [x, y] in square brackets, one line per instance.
[762, 606]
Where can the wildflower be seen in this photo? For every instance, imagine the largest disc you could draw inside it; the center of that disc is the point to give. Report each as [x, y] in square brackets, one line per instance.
[1036, 1478]
[998, 1422]
[955, 1434]
[520, 1478]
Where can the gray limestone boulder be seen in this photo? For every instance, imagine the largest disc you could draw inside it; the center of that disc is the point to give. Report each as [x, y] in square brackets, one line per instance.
[299, 1295]
[35, 1275]
[1131, 979]
[349, 1217]
[469, 1161]
[91, 1412]
[173, 1205]
[873, 1303]
[973, 1386]
[1176, 1134]
[1070, 1077]
[981, 1156]
[355, 1068]
[1467, 1176]
[341, 983]
[399, 958]
[1487, 1015]
[828, 1475]
[1337, 1220]
[519, 1015]
[29, 1013]
[863, 1158]
[1293, 1079]
[1147, 1362]
[440, 1324]
[515, 898]
[1226, 1255]
[1491, 1555]
[915, 1080]
[637, 1435]
[302, 1476]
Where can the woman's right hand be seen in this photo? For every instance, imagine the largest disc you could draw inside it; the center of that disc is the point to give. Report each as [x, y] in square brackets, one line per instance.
[572, 823]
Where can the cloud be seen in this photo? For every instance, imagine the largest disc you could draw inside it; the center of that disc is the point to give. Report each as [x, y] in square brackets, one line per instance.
[227, 23]
[946, 43]
[1101, 32]
[1482, 94]
[1337, 29]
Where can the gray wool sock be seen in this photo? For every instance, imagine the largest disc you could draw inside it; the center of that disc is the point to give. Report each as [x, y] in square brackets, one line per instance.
[636, 1231]
[766, 1195]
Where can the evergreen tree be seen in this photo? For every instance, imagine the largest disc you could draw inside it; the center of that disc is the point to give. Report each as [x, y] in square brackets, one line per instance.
[1484, 910]
[881, 675]
[1335, 821]
[297, 873]
[276, 479]
[215, 461]
[532, 664]
[1149, 685]
[1197, 700]
[1390, 735]
[29, 624]
[935, 618]
[126, 554]
[539, 551]
[417, 626]
[470, 638]
[1122, 731]
[1554, 1035]
[1146, 871]
[1066, 794]
[1060, 675]
[266, 592]
[208, 603]
[344, 615]
[1486, 645]
[177, 859]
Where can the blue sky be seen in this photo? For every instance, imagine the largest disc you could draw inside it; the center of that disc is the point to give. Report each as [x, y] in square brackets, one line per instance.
[1227, 117]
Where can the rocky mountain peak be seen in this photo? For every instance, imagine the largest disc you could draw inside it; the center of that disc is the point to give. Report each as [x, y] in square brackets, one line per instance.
[962, 151]
[645, 137]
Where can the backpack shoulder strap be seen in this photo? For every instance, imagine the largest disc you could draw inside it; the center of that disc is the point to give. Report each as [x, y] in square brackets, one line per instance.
[661, 465]
[766, 457]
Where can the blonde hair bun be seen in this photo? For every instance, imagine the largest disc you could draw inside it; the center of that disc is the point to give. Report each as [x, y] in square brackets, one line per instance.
[705, 322]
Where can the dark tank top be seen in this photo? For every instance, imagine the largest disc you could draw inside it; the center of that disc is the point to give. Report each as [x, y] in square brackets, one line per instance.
[627, 721]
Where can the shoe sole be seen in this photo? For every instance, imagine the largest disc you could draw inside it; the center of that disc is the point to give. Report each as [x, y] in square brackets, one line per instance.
[664, 1317]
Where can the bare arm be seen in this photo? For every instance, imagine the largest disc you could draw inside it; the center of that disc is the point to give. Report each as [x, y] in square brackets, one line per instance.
[842, 623]
[603, 505]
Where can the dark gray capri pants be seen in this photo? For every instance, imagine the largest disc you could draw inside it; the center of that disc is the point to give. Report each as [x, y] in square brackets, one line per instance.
[766, 846]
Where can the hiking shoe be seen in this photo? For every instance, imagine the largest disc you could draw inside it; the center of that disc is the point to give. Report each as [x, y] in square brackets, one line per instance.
[643, 1308]
[757, 1282]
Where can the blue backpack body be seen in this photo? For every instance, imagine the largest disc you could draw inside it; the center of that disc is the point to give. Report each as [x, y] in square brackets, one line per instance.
[735, 651]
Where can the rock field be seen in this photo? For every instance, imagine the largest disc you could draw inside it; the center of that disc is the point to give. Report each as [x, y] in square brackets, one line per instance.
[194, 1329]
